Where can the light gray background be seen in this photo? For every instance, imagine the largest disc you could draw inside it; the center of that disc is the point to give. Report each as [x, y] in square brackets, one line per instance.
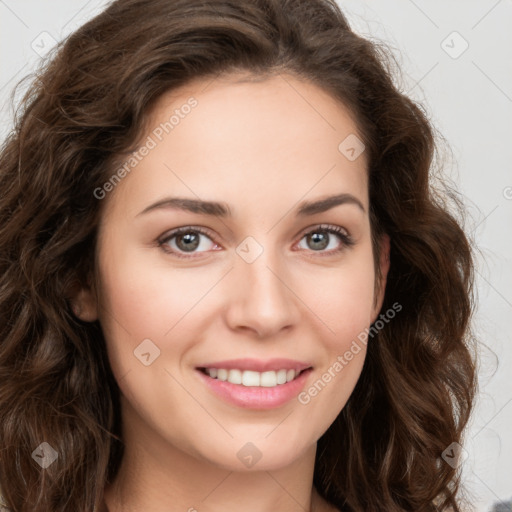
[468, 97]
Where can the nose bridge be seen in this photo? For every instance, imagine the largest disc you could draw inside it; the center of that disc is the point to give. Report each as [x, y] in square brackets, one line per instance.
[259, 268]
[263, 301]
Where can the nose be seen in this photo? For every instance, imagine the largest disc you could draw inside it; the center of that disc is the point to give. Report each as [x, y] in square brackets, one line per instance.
[262, 299]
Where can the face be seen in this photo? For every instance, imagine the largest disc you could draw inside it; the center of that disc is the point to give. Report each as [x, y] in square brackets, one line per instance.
[265, 284]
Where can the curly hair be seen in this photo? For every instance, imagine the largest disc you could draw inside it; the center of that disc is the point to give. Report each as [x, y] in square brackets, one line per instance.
[86, 107]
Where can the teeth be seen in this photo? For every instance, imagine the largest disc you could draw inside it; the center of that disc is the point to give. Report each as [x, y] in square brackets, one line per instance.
[235, 376]
[281, 377]
[250, 378]
[268, 379]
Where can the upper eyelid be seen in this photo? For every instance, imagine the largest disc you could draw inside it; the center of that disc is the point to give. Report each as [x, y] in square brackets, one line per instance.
[320, 227]
[176, 231]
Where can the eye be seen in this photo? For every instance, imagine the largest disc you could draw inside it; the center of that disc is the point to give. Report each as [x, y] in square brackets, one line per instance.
[321, 238]
[185, 240]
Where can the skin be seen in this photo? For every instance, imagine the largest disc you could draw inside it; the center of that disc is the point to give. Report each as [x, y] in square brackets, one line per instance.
[262, 148]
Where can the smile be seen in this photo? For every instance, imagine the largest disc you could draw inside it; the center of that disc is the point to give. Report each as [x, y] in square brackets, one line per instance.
[250, 389]
[268, 379]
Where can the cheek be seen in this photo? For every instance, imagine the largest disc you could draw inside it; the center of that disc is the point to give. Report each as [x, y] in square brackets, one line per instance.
[145, 296]
[144, 299]
[343, 301]
[137, 304]
[342, 297]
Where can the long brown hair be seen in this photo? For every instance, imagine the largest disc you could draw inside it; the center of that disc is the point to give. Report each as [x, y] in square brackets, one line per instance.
[85, 107]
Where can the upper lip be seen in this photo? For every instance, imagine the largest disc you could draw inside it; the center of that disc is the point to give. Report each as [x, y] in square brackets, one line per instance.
[258, 365]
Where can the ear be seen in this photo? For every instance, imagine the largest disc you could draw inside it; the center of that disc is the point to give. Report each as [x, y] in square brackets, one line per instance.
[82, 299]
[381, 278]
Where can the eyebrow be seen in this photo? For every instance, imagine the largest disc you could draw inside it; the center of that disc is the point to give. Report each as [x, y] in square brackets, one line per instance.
[215, 208]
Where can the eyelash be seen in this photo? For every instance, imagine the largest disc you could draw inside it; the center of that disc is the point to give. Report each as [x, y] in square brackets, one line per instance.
[346, 239]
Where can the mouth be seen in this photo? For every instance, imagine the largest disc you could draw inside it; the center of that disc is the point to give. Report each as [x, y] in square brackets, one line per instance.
[251, 378]
[251, 384]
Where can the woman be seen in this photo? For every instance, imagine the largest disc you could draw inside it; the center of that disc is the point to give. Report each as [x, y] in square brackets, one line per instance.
[226, 280]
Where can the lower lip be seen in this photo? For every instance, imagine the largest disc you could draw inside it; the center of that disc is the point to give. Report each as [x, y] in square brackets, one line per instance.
[256, 397]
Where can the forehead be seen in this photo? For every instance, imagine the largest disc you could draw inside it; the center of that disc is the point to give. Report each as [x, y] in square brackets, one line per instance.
[258, 106]
[247, 138]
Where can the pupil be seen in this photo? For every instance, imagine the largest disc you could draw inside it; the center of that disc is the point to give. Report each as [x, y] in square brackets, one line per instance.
[319, 240]
[191, 241]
